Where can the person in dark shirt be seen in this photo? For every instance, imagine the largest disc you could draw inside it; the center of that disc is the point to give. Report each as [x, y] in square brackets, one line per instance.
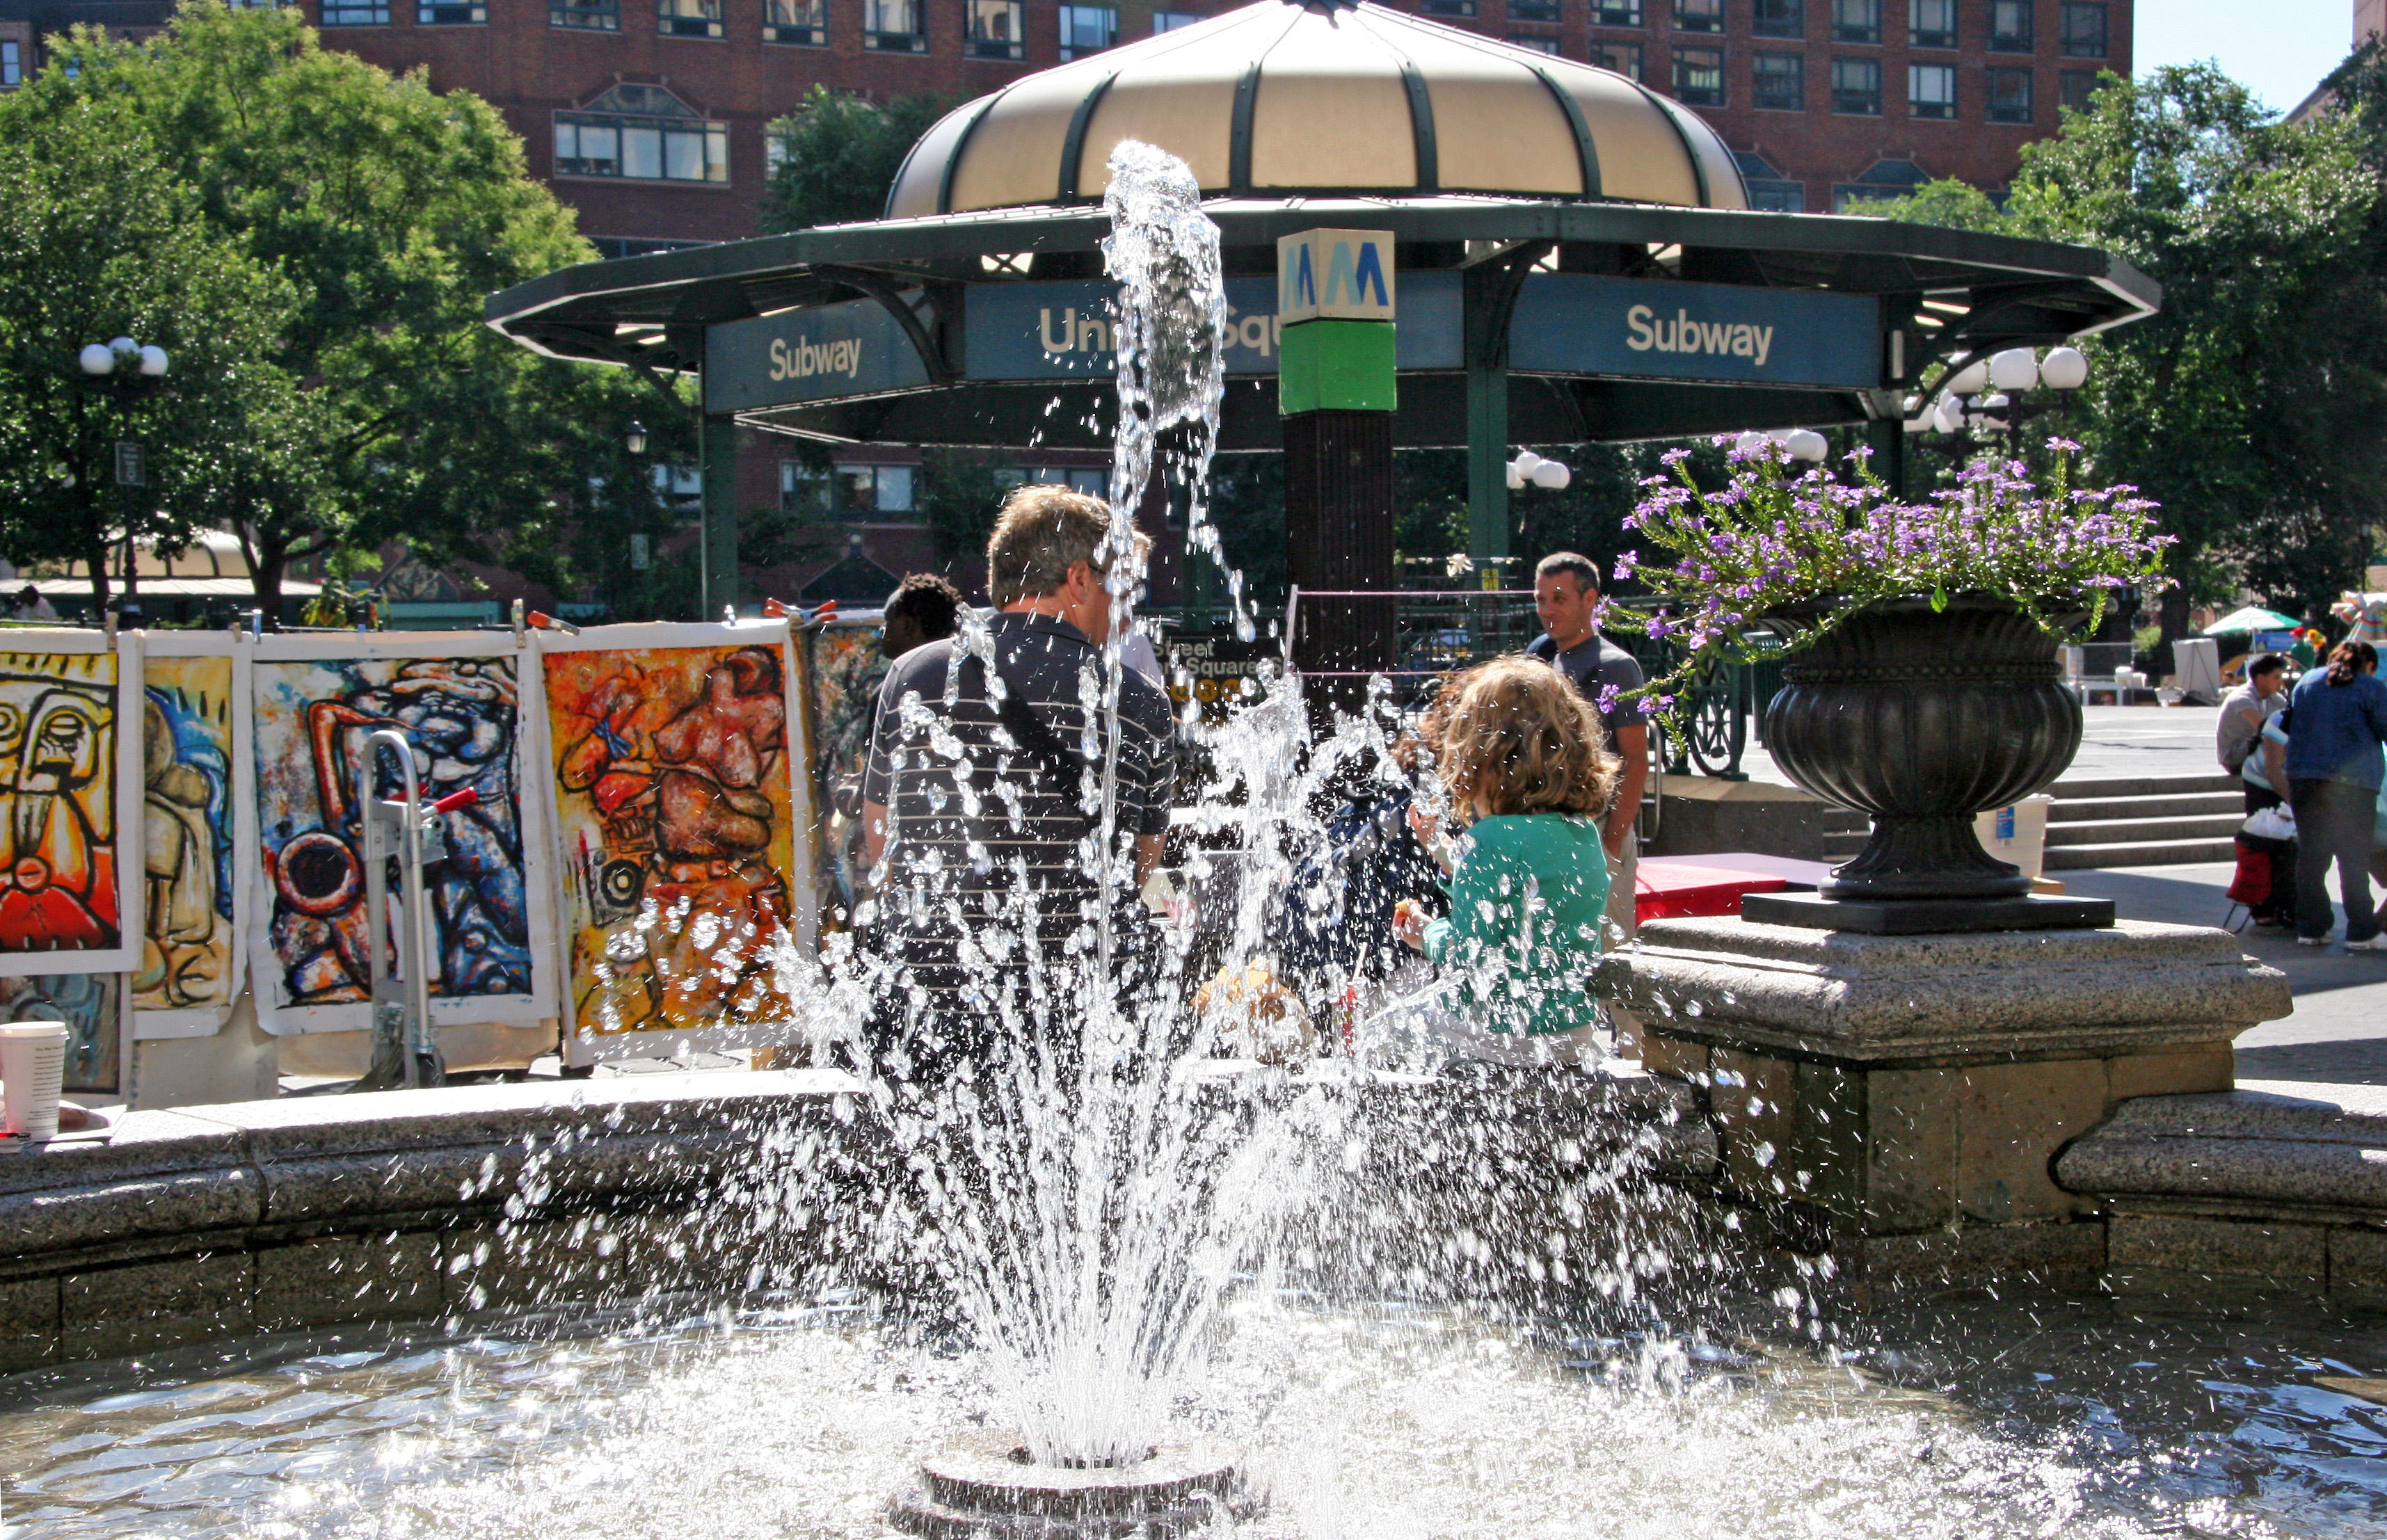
[924, 608]
[982, 802]
[2334, 770]
[1566, 591]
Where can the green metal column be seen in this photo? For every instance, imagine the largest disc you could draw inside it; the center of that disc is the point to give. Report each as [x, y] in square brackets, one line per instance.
[1487, 420]
[718, 554]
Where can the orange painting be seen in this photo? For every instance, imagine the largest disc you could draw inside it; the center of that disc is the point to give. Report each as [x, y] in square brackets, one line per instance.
[674, 812]
[58, 892]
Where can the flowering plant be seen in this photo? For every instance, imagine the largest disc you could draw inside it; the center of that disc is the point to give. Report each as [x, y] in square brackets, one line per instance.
[1798, 552]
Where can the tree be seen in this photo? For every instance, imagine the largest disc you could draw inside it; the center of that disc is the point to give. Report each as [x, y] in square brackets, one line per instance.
[390, 212]
[98, 240]
[2248, 406]
[838, 154]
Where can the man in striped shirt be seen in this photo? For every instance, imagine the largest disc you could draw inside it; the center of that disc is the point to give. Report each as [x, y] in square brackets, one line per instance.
[983, 802]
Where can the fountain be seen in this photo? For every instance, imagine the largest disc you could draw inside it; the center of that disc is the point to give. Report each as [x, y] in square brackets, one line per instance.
[1134, 1291]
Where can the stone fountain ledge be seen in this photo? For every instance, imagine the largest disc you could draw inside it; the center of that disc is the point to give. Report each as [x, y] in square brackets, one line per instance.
[2277, 1187]
[202, 1222]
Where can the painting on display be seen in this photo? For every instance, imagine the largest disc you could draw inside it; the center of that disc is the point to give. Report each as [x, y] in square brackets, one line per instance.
[842, 665]
[87, 1003]
[193, 802]
[682, 828]
[315, 703]
[68, 898]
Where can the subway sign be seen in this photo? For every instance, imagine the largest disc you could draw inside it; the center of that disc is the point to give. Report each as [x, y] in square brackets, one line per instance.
[1565, 324]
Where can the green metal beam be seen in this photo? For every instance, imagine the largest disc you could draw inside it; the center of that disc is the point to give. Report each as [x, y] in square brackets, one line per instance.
[717, 555]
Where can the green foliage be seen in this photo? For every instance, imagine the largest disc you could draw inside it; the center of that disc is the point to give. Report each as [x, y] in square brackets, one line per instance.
[840, 153]
[385, 213]
[98, 239]
[957, 496]
[2248, 406]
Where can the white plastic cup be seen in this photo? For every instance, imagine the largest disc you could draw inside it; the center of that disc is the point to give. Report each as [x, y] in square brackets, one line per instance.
[33, 1075]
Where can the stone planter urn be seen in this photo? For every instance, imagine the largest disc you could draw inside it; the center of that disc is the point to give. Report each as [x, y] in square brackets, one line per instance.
[1922, 719]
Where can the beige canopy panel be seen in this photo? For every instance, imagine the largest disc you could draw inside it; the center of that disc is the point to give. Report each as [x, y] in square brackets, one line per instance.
[1280, 98]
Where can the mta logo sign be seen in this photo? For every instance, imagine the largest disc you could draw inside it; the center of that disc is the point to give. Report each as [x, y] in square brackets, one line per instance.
[1346, 275]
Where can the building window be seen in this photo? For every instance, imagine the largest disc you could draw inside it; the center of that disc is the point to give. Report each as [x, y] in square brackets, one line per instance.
[1856, 87]
[1092, 482]
[1538, 44]
[643, 133]
[1698, 15]
[1779, 82]
[1616, 13]
[1856, 20]
[1533, 10]
[801, 22]
[2079, 90]
[1447, 8]
[2009, 95]
[1622, 57]
[861, 494]
[2009, 26]
[1168, 21]
[688, 17]
[1088, 29]
[1781, 18]
[1932, 23]
[2084, 29]
[1883, 178]
[590, 15]
[12, 64]
[895, 26]
[335, 13]
[995, 29]
[680, 489]
[1698, 77]
[1931, 90]
[429, 13]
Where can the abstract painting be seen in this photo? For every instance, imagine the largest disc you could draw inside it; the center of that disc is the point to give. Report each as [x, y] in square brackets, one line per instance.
[189, 876]
[312, 718]
[87, 1003]
[676, 814]
[63, 889]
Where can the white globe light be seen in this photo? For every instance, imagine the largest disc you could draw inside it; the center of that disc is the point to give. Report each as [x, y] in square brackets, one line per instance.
[153, 360]
[1526, 462]
[1968, 380]
[97, 358]
[1949, 415]
[123, 345]
[2066, 369]
[1808, 444]
[1997, 401]
[1750, 443]
[2016, 369]
[1551, 476]
[1516, 479]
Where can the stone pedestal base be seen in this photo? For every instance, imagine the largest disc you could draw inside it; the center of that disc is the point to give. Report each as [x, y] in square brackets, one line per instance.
[1899, 1099]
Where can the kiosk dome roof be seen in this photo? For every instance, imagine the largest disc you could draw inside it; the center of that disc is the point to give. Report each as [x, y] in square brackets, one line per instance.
[1280, 99]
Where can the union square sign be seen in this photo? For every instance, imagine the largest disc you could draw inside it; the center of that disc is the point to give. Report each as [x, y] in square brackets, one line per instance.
[1564, 324]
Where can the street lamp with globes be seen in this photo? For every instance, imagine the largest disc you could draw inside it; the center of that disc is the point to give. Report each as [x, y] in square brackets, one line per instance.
[125, 371]
[1979, 396]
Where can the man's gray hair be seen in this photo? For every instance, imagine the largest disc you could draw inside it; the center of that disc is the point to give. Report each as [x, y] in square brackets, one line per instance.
[1586, 576]
[1045, 529]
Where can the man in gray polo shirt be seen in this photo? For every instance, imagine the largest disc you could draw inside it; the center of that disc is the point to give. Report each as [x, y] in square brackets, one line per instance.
[1566, 589]
[982, 802]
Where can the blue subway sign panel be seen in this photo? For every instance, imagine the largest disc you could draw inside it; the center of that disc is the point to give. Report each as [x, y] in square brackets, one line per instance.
[1577, 323]
[827, 354]
[1565, 324]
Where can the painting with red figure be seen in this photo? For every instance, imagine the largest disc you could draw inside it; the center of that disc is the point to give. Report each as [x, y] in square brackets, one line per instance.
[675, 819]
[61, 900]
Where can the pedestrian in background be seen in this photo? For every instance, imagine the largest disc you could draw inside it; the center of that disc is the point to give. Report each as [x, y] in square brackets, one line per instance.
[2239, 737]
[2336, 768]
[1566, 591]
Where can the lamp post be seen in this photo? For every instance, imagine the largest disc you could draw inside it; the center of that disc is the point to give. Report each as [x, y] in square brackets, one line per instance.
[126, 370]
[1981, 397]
[634, 440]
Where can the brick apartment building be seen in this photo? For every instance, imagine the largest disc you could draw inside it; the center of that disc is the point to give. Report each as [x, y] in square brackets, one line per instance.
[649, 117]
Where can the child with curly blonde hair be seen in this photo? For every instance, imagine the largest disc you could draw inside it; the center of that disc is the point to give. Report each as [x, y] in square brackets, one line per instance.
[1521, 753]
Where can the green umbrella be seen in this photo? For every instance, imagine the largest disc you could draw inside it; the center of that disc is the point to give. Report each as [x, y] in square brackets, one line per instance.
[2249, 619]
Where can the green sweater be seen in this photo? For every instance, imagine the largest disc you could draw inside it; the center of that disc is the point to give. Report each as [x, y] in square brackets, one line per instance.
[1526, 906]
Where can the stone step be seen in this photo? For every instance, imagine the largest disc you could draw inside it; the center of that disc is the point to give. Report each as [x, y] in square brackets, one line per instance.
[2183, 805]
[2124, 831]
[2089, 787]
[2147, 853]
